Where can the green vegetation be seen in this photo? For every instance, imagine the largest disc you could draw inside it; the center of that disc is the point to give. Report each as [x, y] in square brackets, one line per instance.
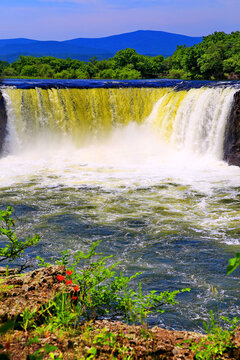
[97, 291]
[94, 291]
[13, 246]
[90, 289]
[217, 341]
[233, 263]
[126, 64]
[217, 57]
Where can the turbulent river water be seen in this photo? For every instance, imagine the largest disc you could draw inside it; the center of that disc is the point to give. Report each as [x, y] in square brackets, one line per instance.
[140, 169]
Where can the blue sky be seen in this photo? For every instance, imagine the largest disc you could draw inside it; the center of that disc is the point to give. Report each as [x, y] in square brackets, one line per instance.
[67, 19]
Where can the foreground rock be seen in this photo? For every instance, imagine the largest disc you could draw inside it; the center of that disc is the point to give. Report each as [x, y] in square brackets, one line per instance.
[99, 339]
[29, 290]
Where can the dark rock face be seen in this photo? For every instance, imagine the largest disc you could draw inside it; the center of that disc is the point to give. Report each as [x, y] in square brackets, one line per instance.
[232, 135]
[3, 122]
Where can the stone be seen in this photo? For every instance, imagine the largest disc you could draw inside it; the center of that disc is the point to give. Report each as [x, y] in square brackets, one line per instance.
[232, 134]
[3, 123]
[29, 290]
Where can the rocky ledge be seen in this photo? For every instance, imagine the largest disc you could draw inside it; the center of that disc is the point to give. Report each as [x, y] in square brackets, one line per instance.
[29, 290]
[33, 289]
[3, 123]
[232, 135]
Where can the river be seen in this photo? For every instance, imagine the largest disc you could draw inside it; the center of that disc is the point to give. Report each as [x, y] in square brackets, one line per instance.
[139, 168]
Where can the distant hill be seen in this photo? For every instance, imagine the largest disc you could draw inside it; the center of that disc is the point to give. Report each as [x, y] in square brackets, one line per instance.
[145, 42]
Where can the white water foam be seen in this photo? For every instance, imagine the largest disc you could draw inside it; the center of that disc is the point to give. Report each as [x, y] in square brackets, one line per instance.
[137, 156]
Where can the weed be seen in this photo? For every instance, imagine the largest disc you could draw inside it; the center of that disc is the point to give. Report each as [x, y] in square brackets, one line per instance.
[106, 341]
[217, 341]
[28, 319]
[14, 247]
[49, 350]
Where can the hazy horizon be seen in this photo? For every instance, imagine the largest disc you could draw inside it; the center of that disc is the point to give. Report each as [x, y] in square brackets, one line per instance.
[98, 37]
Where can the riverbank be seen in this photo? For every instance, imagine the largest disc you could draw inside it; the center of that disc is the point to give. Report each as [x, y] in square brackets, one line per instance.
[90, 340]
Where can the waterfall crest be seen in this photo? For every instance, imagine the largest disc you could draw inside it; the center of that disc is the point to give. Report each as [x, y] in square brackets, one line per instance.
[190, 120]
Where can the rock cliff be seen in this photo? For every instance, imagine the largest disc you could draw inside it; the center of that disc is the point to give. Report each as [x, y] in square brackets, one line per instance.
[232, 135]
[3, 123]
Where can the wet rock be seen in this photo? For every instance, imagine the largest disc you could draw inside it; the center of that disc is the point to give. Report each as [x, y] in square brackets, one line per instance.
[29, 290]
[232, 134]
[3, 122]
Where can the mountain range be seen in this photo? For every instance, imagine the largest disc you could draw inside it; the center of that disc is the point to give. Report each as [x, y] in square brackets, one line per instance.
[145, 42]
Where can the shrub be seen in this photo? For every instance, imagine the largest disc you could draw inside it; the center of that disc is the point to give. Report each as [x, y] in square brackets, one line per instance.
[94, 291]
[13, 246]
[218, 340]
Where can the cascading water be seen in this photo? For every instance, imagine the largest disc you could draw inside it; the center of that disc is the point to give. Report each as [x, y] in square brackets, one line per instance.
[76, 114]
[140, 169]
[193, 120]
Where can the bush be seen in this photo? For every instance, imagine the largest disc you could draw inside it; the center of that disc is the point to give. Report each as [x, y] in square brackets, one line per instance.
[13, 246]
[94, 291]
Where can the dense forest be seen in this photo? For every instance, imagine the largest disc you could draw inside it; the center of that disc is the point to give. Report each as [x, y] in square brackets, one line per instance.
[217, 57]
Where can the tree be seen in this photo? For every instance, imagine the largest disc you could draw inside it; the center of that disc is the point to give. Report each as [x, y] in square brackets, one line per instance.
[81, 74]
[157, 64]
[127, 73]
[125, 57]
[30, 70]
[9, 71]
[45, 70]
[216, 57]
[107, 74]
[3, 66]
[211, 62]
[65, 74]
[232, 65]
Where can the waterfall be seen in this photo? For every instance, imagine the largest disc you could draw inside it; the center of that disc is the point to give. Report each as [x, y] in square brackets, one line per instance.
[189, 120]
[194, 120]
[144, 170]
[78, 114]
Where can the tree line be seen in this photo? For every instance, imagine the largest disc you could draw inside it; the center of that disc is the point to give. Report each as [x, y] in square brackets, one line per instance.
[217, 57]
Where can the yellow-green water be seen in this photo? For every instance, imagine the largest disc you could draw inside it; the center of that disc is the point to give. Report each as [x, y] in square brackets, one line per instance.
[79, 113]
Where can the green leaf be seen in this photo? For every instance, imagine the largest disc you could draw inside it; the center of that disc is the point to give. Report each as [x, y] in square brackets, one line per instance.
[33, 341]
[92, 351]
[49, 348]
[233, 263]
